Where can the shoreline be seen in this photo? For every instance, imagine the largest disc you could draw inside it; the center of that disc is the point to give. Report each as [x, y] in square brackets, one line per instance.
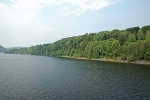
[116, 60]
[140, 62]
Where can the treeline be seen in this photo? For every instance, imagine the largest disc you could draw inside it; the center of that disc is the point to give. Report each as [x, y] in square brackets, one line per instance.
[129, 44]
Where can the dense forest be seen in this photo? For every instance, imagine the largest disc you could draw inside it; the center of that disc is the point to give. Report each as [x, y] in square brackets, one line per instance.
[130, 44]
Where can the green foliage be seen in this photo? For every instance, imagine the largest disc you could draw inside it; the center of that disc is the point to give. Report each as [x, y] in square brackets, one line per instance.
[123, 57]
[145, 28]
[110, 47]
[147, 54]
[147, 49]
[123, 36]
[140, 35]
[131, 38]
[147, 34]
[130, 58]
[133, 29]
[130, 44]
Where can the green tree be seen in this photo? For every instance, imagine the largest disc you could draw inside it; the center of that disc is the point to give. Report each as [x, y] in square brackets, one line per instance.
[110, 47]
[123, 36]
[131, 38]
[147, 34]
[147, 54]
[145, 28]
[140, 35]
[131, 44]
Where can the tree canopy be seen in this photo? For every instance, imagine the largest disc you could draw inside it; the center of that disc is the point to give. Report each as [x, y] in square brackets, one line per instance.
[129, 44]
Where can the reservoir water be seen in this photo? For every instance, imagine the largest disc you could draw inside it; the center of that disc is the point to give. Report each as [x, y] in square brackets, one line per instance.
[26, 77]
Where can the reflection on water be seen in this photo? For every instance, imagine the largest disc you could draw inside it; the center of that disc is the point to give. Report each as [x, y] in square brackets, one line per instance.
[26, 77]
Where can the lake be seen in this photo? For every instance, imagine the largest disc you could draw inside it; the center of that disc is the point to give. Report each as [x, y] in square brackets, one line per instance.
[27, 77]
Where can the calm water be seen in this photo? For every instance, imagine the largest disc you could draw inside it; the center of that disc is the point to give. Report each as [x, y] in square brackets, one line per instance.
[25, 77]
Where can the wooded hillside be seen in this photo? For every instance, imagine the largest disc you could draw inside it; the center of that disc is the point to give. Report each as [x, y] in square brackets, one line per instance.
[129, 44]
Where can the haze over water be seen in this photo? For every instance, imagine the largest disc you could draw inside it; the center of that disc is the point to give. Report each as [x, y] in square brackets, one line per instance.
[26, 77]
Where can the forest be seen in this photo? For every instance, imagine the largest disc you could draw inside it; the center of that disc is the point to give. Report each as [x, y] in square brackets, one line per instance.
[130, 44]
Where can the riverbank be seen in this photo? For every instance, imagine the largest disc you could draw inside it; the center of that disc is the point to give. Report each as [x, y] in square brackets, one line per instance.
[117, 60]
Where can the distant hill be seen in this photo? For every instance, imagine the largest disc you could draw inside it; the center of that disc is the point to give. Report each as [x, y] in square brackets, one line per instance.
[2, 49]
[14, 48]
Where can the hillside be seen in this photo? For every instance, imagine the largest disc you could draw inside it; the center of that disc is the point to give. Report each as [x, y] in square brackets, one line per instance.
[14, 48]
[130, 44]
[2, 49]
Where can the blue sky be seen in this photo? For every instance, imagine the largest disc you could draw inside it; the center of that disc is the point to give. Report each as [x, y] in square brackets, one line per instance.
[31, 22]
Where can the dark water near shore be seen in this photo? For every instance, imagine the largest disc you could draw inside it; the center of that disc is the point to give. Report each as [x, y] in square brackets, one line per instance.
[25, 77]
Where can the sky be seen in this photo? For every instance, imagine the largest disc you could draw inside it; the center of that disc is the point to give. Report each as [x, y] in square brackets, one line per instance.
[33, 22]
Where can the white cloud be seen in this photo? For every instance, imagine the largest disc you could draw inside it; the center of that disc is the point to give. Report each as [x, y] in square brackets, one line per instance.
[68, 11]
[21, 18]
[85, 5]
[21, 12]
[81, 5]
[20, 21]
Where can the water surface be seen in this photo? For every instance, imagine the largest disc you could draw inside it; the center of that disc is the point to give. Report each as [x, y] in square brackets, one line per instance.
[26, 77]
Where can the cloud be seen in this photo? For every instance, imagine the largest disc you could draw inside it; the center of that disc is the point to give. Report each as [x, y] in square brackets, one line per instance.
[86, 5]
[68, 11]
[81, 5]
[20, 21]
[21, 18]
[22, 12]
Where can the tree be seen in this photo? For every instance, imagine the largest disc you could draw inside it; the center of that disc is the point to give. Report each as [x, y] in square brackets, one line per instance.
[147, 34]
[147, 54]
[133, 29]
[131, 38]
[130, 58]
[110, 47]
[95, 53]
[145, 28]
[147, 49]
[123, 36]
[140, 35]
[131, 44]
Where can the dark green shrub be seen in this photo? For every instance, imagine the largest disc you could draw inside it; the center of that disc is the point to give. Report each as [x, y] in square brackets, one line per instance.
[123, 57]
[130, 58]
